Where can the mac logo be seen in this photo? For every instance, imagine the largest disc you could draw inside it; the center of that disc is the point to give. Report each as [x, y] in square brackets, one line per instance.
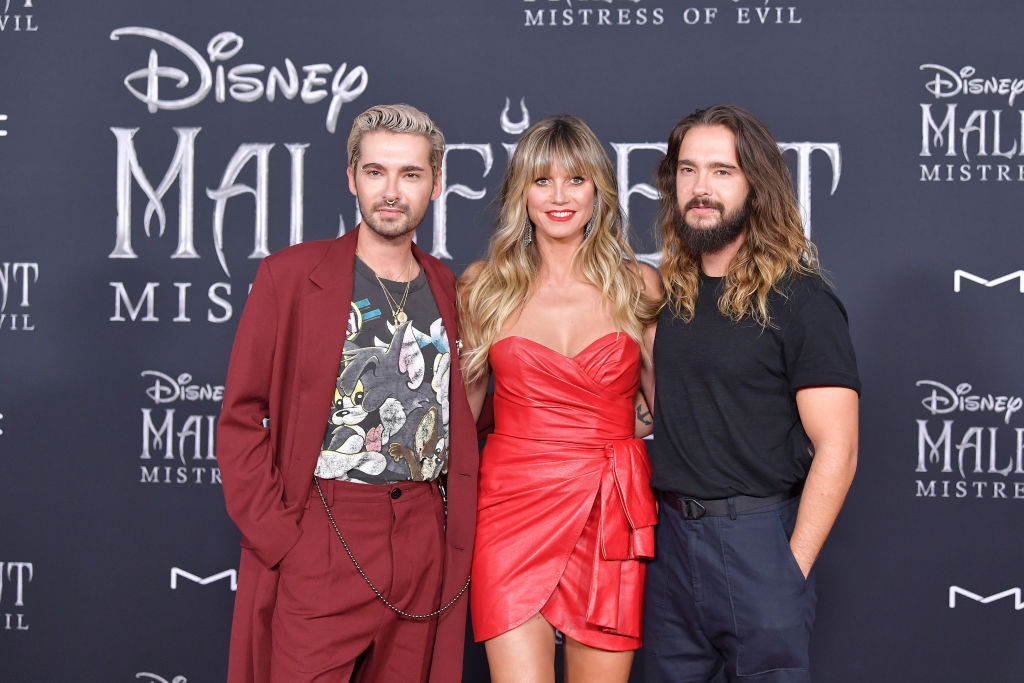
[1015, 593]
[177, 572]
[960, 275]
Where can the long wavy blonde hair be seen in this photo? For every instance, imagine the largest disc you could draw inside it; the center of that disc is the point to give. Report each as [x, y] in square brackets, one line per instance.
[774, 245]
[502, 284]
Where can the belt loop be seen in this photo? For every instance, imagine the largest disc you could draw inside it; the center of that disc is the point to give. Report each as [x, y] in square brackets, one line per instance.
[732, 507]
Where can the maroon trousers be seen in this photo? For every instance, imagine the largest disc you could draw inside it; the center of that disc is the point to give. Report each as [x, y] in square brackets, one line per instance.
[328, 625]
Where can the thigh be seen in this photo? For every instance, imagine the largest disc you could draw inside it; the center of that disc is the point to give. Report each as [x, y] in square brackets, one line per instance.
[773, 605]
[525, 654]
[325, 616]
[586, 664]
[676, 648]
[402, 647]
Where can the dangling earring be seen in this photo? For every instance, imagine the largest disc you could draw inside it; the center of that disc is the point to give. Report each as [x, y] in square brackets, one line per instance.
[528, 235]
[590, 224]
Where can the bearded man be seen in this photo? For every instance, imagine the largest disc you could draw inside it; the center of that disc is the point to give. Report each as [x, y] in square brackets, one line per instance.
[755, 398]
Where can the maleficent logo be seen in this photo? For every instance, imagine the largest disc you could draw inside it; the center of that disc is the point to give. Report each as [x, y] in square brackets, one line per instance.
[178, 437]
[17, 16]
[586, 13]
[17, 280]
[962, 120]
[598, 13]
[466, 168]
[14, 580]
[982, 459]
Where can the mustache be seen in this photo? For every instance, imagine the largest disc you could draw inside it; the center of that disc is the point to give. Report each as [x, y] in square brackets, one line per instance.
[704, 202]
[404, 208]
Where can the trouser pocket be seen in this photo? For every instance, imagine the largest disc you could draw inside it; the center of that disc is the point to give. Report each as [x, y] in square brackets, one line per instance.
[773, 605]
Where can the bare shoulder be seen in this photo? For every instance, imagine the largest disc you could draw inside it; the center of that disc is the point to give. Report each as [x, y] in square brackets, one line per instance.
[652, 279]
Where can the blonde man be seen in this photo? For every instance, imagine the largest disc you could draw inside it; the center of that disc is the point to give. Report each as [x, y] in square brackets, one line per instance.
[344, 418]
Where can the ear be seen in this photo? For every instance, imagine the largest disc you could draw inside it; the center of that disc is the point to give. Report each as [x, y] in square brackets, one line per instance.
[437, 186]
[352, 181]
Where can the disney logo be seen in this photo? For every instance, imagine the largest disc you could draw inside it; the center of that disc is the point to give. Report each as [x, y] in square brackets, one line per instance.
[167, 389]
[949, 83]
[242, 82]
[160, 679]
[943, 399]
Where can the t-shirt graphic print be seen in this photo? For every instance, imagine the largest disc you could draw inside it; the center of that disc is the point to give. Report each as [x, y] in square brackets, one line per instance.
[389, 416]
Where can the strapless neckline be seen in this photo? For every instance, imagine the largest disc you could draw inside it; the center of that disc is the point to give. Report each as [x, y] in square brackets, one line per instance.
[559, 353]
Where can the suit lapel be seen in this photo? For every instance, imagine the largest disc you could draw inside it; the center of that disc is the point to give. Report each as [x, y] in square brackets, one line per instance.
[323, 325]
[326, 309]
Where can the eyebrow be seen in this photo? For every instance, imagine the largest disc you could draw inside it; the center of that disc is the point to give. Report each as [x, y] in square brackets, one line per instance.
[713, 164]
[404, 169]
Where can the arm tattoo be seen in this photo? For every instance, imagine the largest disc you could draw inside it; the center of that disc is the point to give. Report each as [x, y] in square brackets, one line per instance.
[644, 416]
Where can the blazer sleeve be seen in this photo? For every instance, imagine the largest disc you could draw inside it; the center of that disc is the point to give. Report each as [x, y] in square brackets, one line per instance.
[252, 480]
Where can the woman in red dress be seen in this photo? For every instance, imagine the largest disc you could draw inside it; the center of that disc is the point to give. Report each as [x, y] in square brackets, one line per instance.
[560, 312]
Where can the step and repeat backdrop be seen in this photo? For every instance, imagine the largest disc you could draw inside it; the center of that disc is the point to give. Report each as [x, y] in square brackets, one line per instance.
[151, 153]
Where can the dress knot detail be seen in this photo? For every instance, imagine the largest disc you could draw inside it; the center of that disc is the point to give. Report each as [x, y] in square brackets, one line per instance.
[628, 515]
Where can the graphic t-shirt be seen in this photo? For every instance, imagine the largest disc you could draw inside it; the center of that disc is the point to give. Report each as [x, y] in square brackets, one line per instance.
[389, 418]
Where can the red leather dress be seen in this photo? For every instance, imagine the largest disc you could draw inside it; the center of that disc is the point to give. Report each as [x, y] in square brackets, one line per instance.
[566, 514]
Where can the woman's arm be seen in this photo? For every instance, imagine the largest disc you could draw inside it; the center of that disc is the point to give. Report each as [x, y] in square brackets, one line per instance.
[654, 289]
[644, 424]
[476, 390]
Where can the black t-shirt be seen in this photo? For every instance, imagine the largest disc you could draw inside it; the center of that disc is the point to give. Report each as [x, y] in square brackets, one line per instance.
[389, 416]
[725, 414]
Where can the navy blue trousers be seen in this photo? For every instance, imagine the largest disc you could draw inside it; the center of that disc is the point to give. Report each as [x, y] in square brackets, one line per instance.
[726, 600]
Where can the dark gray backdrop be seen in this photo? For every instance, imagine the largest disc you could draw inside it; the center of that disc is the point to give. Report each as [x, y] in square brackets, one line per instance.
[116, 556]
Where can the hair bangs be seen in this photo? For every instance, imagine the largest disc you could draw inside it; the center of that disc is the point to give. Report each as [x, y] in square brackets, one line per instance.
[568, 147]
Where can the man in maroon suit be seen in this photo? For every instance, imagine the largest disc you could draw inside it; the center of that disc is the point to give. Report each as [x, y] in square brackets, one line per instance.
[346, 447]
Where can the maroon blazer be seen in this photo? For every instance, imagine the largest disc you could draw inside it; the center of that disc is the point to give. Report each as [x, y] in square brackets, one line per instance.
[284, 365]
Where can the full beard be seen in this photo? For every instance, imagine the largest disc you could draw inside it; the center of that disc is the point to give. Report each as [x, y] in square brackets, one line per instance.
[390, 229]
[710, 240]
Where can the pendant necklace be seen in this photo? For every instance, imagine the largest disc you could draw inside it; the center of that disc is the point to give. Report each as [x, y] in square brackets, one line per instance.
[397, 307]
[398, 313]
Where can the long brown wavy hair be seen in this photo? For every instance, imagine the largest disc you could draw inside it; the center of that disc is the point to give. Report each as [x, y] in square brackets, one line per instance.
[774, 244]
[502, 283]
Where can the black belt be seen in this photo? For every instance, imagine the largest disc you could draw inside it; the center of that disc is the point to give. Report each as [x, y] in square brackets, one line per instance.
[694, 508]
